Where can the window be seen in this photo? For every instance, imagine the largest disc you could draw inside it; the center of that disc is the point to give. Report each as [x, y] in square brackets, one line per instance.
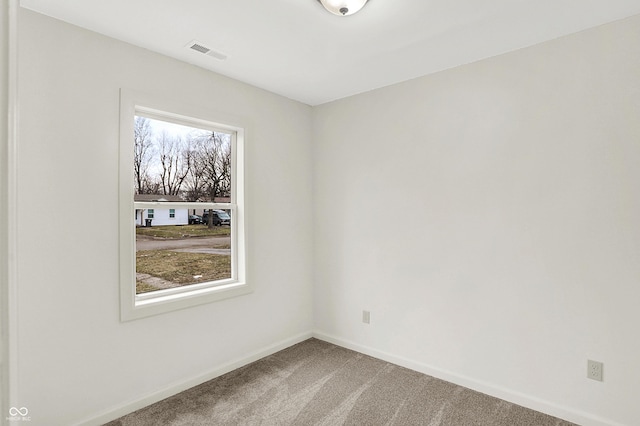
[177, 159]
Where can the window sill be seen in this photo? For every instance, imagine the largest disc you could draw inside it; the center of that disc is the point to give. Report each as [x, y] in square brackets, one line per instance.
[142, 307]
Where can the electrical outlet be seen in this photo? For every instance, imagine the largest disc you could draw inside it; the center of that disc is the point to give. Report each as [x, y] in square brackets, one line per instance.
[594, 370]
[366, 317]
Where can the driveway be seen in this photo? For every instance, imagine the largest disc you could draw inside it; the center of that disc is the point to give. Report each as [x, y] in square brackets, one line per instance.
[209, 245]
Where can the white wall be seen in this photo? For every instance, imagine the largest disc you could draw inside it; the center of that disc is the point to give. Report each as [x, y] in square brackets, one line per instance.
[76, 359]
[488, 217]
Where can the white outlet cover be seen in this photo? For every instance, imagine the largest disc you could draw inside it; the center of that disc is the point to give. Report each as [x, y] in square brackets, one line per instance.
[594, 370]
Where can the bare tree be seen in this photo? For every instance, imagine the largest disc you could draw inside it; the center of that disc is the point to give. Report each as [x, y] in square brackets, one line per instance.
[143, 151]
[175, 162]
[194, 186]
[215, 160]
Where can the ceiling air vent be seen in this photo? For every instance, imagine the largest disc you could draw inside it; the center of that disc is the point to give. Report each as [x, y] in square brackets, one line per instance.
[200, 47]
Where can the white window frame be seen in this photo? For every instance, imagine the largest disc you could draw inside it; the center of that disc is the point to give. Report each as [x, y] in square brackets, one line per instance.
[133, 306]
[172, 213]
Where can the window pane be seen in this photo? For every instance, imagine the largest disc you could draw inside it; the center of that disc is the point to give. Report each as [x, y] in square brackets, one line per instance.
[178, 255]
[181, 246]
[173, 162]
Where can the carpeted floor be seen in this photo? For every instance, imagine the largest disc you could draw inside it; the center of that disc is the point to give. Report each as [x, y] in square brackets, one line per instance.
[317, 383]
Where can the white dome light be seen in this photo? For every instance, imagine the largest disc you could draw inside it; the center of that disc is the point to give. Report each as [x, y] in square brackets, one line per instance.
[343, 7]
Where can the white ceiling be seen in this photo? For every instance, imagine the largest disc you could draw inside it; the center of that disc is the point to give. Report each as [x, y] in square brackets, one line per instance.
[297, 49]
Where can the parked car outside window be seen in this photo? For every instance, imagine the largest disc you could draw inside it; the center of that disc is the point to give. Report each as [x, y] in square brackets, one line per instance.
[220, 217]
[194, 219]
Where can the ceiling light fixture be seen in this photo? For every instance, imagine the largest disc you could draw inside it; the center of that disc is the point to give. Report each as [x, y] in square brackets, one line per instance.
[343, 7]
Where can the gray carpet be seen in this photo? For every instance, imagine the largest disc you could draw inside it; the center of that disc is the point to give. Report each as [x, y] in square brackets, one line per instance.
[317, 383]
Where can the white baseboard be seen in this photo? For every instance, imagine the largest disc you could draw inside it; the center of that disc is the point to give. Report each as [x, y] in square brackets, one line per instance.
[537, 404]
[177, 387]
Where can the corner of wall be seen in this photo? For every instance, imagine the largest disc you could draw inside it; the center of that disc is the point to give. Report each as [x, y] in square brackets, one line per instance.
[8, 80]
